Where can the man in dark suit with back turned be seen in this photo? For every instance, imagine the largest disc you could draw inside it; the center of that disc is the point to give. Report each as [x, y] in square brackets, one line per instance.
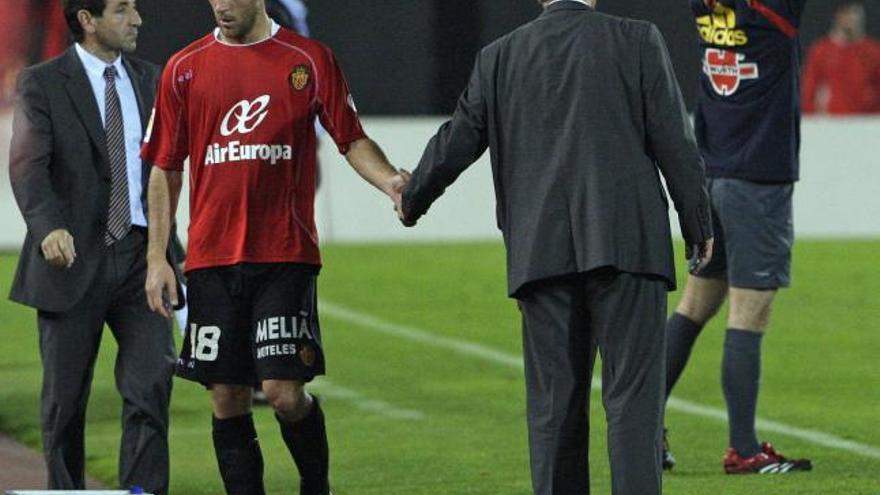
[79, 182]
[581, 112]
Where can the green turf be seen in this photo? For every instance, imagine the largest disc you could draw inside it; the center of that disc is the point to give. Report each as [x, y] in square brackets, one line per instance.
[820, 373]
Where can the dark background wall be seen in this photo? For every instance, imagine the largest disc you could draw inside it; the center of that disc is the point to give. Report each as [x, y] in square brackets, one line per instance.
[413, 57]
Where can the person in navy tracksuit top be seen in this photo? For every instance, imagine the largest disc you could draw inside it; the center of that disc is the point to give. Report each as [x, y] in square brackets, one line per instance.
[748, 128]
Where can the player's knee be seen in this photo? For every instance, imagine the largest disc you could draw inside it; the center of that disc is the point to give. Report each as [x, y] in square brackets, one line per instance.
[750, 309]
[287, 398]
[702, 299]
[231, 400]
[756, 321]
[697, 310]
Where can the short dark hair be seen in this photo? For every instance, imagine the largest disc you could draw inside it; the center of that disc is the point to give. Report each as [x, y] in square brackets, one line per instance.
[72, 8]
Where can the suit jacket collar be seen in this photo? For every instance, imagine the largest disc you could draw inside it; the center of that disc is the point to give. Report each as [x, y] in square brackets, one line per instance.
[566, 5]
[139, 81]
[80, 92]
[83, 99]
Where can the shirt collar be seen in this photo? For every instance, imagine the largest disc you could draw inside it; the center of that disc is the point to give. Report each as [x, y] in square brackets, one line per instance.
[273, 30]
[95, 66]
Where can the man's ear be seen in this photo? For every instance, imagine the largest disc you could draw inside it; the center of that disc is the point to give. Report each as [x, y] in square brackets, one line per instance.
[86, 20]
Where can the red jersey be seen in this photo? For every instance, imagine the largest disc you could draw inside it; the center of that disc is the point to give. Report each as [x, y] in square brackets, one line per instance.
[244, 115]
[842, 78]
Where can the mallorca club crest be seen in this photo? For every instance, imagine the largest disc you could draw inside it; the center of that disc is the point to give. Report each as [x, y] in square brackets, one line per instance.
[307, 355]
[726, 70]
[300, 76]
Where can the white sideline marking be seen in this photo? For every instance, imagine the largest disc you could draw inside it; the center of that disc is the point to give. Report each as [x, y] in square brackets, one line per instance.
[500, 357]
[330, 390]
[812, 436]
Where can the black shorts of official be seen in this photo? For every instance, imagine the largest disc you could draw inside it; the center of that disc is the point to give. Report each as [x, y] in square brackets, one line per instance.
[252, 322]
[754, 233]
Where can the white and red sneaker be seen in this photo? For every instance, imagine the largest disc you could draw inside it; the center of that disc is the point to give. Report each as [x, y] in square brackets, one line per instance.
[768, 461]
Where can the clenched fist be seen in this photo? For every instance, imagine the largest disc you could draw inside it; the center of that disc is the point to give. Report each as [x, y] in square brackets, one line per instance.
[58, 248]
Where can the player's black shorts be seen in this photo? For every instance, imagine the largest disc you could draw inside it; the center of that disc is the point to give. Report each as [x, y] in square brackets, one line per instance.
[252, 322]
[754, 233]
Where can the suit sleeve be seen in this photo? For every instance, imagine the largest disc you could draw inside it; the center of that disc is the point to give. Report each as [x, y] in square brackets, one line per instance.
[671, 141]
[166, 140]
[457, 145]
[30, 158]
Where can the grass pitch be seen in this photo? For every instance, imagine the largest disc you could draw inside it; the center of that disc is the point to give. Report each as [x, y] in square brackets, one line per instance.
[412, 410]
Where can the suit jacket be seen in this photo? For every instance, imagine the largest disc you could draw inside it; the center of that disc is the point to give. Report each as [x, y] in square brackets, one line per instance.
[581, 112]
[60, 172]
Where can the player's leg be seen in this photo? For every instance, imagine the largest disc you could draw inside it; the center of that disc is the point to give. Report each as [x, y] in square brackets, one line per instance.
[741, 367]
[700, 302]
[304, 432]
[559, 356]
[236, 445]
[217, 353]
[760, 234]
[626, 317]
[288, 354]
[703, 295]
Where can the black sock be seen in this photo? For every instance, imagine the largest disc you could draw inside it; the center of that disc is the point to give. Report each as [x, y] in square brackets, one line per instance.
[238, 455]
[740, 378]
[307, 441]
[681, 333]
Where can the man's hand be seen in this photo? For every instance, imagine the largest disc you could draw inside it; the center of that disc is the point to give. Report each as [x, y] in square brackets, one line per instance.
[58, 248]
[398, 185]
[698, 255]
[161, 287]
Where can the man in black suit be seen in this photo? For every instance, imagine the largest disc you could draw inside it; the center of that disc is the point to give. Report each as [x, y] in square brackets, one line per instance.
[581, 113]
[80, 185]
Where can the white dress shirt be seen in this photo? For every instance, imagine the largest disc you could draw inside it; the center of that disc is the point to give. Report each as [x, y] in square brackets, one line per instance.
[131, 119]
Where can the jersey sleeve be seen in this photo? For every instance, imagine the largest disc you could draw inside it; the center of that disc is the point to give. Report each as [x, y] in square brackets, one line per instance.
[166, 142]
[336, 108]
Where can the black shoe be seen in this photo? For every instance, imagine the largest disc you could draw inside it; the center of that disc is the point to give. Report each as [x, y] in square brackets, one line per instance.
[668, 458]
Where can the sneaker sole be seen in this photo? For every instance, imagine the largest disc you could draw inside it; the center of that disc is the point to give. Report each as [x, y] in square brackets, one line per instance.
[777, 468]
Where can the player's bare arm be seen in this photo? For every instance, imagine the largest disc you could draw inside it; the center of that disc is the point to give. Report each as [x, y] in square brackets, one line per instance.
[368, 159]
[161, 285]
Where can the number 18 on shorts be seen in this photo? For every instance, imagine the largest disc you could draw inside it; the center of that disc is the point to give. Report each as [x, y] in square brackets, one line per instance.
[247, 325]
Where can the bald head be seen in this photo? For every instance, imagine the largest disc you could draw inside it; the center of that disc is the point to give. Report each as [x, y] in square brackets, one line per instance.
[591, 3]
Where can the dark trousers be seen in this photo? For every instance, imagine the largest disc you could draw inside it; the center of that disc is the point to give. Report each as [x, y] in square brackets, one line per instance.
[564, 322]
[69, 344]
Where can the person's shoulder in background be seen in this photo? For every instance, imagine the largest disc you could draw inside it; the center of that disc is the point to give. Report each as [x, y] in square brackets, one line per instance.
[148, 68]
[191, 49]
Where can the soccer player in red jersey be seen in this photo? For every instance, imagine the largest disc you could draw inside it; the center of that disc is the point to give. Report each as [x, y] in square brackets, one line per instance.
[241, 103]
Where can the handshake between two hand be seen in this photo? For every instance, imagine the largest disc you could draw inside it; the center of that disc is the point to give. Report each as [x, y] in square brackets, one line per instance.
[396, 186]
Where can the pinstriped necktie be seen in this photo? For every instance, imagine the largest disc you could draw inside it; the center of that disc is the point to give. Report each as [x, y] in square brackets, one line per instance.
[119, 215]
